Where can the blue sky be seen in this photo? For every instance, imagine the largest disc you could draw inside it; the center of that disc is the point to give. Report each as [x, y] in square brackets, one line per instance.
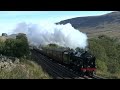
[9, 19]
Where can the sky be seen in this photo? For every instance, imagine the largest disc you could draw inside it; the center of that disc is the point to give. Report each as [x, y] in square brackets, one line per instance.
[9, 19]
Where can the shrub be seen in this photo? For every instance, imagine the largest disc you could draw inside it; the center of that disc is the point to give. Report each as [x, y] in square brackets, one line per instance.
[107, 51]
[101, 65]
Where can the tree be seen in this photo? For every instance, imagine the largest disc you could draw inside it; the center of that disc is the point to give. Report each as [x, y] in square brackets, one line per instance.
[53, 45]
[18, 47]
[101, 65]
[4, 34]
[2, 45]
[22, 45]
[9, 48]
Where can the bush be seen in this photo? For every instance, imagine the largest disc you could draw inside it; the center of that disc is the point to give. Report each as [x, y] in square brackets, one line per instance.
[107, 51]
[10, 47]
[98, 50]
[22, 45]
[2, 45]
[101, 65]
[113, 67]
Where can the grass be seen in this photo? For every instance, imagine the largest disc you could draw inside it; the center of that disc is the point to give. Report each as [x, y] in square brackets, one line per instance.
[108, 75]
[25, 70]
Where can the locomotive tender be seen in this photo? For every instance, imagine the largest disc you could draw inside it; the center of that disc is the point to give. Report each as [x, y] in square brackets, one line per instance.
[83, 63]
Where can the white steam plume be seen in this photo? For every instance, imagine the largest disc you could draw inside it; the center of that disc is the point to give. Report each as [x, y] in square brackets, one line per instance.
[46, 33]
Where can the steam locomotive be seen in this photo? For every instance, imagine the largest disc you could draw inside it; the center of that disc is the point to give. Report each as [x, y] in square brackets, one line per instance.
[80, 62]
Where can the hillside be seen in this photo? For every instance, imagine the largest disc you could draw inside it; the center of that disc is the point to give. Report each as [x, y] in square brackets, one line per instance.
[108, 24]
[16, 61]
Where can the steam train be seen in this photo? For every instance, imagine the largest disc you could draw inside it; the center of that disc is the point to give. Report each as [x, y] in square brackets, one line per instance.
[82, 63]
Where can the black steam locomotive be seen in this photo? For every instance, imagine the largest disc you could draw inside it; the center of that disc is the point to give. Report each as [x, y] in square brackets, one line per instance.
[81, 62]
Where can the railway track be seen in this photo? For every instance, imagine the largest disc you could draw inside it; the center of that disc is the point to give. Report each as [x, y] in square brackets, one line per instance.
[60, 71]
[92, 77]
[57, 70]
[98, 77]
[51, 71]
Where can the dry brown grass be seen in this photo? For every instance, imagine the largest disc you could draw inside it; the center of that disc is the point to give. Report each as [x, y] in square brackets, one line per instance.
[24, 70]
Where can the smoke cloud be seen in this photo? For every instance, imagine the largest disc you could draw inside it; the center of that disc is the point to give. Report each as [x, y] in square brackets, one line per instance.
[46, 33]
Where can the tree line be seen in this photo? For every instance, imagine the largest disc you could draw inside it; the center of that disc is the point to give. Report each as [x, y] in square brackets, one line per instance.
[107, 52]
